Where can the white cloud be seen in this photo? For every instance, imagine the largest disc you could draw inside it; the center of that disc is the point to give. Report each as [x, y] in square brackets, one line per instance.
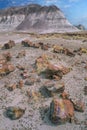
[73, 0]
[67, 6]
[51, 1]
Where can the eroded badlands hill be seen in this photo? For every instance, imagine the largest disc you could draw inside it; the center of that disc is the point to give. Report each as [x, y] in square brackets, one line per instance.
[35, 18]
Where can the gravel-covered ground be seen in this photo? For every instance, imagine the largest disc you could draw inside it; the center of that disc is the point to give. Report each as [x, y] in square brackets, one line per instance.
[36, 117]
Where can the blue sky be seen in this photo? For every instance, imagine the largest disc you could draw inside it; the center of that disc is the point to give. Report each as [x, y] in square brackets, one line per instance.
[74, 10]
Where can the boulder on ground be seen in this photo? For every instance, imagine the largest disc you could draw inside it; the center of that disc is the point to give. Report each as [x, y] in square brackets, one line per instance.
[68, 52]
[41, 63]
[33, 94]
[11, 87]
[41, 45]
[9, 45]
[14, 112]
[31, 80]
[83, 50]
[20, 84]
[20, 67]
[21, 54]
[51, 88]
[56, 71]
[9, 67]
[6, 68]
[51, 71]
[60, 49]
[65, 95]
[44, 46]
[36, 45]
[85, 78]
[78, 105]
[5, 57]
[27, 43]
[24, 74]
[2, 59]
[61, 110]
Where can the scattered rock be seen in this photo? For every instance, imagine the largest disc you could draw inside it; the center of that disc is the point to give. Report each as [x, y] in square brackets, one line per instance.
[85, 90]
[14, 113]
[27, 43]
[61, 110]
[31, 80]
[21, 54]
[11, 87]
[78, 51]
[65, 95]
[85, 78]
[56, 71]
[84, 40]
[41, 45]
[68, 53]
[44, 46]
[41, 63]
[33, 94]
[51, 89]
[78, 105]
[7, 56]
[51, 71]
[20, 67]
[20, 84]
[36, 45]
[2, 60]
[6, 68]
[9, 67]
[24, 74]
[9, 45]
[83, 50]
[60, 49]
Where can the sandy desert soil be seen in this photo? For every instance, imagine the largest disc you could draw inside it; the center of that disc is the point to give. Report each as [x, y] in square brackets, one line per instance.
[34, 117]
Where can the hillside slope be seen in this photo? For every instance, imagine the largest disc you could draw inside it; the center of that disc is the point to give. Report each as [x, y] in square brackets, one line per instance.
[35, 18]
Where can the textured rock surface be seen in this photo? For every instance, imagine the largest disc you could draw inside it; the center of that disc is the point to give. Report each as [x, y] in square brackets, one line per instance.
[14, 113]
[35, 18]
[61, 111]
[9, 45]
[6, 68]
[81, 27]
[52, 89]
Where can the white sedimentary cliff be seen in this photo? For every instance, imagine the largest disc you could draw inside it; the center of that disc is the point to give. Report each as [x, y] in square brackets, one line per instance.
[36, 19]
